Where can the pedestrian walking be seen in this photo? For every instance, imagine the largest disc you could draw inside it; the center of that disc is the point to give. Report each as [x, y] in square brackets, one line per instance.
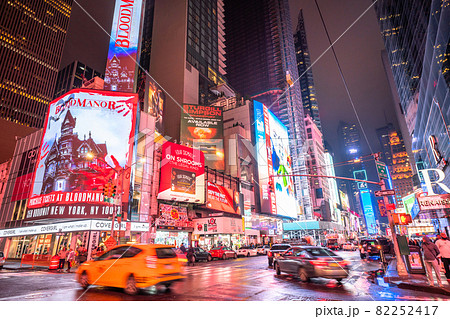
[182, 248]
[62, 259]
[190, 256]
[70, 259]
[443, 244]
[430, 255]
[82, 254]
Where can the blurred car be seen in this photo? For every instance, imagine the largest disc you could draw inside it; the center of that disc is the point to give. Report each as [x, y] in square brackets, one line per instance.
[2, 259]
[373, 246]
[201, 254]
[311, 261]
[132, 267]
[246, 251]
[333, 244]
[276, 250]
[222, 252]
[181, 256]
[262, 250]
[348, 246]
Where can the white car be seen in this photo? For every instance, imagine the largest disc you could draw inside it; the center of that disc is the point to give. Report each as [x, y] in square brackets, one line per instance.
[262, 250]
[246, 251]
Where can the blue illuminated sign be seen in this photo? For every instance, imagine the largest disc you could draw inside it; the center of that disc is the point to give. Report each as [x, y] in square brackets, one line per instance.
[369, 214]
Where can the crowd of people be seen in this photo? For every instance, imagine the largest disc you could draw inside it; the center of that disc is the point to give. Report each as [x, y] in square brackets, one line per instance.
[436, 256]
[71, 258]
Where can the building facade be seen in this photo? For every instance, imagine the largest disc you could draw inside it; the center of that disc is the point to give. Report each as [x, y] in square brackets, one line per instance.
[74, 76]
[261, 64]
[31, 44]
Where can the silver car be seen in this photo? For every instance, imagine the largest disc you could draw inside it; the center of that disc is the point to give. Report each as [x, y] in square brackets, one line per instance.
[312, 261]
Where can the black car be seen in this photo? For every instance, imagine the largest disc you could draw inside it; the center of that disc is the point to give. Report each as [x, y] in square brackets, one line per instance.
[311, 261]
[373, 246]
[275, 251]
[201, 254]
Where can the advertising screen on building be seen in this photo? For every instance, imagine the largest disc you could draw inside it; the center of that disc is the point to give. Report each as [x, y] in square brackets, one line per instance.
[411, 205]
[123, 46]
[182, 174]
[87, 137]
[154, 102]
[344, 201]
[273, 156]
[173, 217]
[202, 127]
[369, 214]
[24, 179]
[222, 199]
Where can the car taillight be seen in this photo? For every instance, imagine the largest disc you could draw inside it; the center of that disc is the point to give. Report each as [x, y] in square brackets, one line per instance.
[151, 261]
[319, 262]
[344, 263]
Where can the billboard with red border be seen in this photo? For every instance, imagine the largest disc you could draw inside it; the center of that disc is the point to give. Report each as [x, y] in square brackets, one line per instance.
[222, 199]
[182, 174]
[67, 182]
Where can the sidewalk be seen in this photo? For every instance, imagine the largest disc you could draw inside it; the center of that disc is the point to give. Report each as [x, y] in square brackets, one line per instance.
[15, 266]
[414, 281]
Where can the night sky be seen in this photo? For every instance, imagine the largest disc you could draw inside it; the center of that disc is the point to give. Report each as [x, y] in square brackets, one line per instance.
[358, 51]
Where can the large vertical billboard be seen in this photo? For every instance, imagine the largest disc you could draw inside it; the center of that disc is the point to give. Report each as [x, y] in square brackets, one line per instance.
[273, 156]
[24, 179]
[202, 127]
[369, 214]
[123, 46]
[182, 174]
[87, 140]
[154, 102]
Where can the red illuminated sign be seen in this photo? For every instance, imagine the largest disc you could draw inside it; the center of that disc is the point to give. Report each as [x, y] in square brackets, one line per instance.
[222, 199]
[402, 219]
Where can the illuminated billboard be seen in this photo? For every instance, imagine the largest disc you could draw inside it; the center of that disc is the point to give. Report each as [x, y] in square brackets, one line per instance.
[24, 179]
[67, 182]
[202, 127]
[344, 201]
[182, 174]
[154, 102]
[123, 46]
[411, 205]
[369, 214]
[222, 199]
[273, 156]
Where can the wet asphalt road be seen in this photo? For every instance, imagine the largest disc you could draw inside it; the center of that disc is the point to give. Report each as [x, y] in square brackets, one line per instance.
[230, 280]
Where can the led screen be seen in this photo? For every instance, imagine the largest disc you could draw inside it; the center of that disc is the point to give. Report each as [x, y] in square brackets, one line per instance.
[202, 127]
[273, 156]
[123, 46]
[87, 140]
[222, 199]
[182, 174]
[369, 214]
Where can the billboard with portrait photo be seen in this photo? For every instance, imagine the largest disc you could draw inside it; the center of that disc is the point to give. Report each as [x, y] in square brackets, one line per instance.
[87, 140]
[154, 102]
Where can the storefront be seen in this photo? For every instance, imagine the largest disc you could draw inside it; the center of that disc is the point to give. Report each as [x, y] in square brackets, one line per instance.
[219, 231]
[173, 227]
[49, 239]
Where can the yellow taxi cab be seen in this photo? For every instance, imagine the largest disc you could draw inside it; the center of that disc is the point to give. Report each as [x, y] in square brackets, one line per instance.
[132, 267]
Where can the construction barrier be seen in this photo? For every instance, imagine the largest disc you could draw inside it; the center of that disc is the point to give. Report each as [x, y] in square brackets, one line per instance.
[54, 263]
[35, 260]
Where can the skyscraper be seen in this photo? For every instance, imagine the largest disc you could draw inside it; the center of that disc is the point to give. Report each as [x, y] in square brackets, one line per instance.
[32, 36]
[187, 54]
[73, 76]
[261, 63]
[306, 80]
[395, 157]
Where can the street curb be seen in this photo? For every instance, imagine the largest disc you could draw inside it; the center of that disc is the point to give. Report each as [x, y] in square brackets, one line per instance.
[434, 290]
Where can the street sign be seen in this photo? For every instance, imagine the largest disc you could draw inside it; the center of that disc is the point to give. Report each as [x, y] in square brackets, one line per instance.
[382, 170]
[386, 192]
[110, 242]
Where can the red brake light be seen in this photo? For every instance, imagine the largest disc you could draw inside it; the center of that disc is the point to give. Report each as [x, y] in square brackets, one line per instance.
[344, 263]
[319, 262]
[151, 261]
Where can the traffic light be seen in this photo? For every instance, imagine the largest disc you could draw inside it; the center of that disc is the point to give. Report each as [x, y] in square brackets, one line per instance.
[402, 219]
[270, 185]
[113, 190]
[106, 190]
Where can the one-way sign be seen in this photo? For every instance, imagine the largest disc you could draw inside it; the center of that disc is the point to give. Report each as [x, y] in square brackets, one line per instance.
[386, 192]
